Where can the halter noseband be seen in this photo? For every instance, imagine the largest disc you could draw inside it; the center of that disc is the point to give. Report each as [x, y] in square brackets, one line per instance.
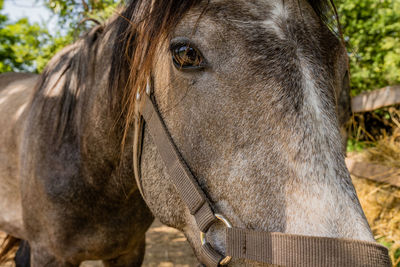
[271, 248]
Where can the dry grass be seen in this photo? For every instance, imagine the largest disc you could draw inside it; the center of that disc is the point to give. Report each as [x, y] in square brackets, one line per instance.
[381, 202]
[368, 127]
[10, 256]
[386, 151]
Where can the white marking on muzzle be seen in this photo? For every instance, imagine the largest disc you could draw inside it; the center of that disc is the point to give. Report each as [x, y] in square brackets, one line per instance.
[319, 204]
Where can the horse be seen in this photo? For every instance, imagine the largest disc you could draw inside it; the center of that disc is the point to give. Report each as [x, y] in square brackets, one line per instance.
[252, 93]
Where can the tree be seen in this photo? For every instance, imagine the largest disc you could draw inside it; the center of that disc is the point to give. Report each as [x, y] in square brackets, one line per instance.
[28, 47]
[372, 31]
[20, 44]
[73, 13]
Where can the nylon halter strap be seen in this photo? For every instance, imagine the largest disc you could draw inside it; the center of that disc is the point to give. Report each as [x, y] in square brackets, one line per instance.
[271, 248]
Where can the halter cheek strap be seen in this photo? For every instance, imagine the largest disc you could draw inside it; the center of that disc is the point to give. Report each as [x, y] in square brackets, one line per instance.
[137, 143]
[271, 248]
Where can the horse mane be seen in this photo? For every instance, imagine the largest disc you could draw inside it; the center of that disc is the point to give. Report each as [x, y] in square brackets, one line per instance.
[321, 7]
[66, 76]
[140, 27]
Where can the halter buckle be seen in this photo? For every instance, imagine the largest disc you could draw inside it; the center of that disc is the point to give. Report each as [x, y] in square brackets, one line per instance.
[203, 239]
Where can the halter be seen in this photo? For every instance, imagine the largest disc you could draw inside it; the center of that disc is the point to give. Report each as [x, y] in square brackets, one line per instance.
[271, 248]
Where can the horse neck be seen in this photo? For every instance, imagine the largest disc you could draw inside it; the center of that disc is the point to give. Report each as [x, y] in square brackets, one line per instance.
[71, 129]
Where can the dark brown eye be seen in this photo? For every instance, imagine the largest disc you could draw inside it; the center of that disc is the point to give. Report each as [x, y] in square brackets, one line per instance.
[187, 57]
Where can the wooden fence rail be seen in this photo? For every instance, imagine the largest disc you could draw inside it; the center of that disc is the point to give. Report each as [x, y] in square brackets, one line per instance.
[374, 172]
[368, 101]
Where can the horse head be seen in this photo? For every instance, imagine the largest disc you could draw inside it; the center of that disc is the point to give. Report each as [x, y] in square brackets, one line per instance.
[249, 92]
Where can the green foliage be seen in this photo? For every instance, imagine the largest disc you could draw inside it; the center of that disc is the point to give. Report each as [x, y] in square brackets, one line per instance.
[354, 145]
[74, 18]
[20, 44]
[28, 47]
[72, 13]
[372, 29]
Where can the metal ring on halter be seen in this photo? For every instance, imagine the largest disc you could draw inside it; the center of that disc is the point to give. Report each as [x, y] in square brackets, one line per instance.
[203, 239]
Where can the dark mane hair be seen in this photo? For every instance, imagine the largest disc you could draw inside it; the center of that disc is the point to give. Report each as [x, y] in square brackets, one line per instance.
[140, 27]
[67, 73]
[320, 7]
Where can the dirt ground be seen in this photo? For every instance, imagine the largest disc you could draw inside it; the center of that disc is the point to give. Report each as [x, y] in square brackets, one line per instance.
[166, 247]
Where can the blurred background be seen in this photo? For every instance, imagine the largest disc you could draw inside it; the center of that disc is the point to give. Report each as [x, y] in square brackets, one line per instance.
[32, 31]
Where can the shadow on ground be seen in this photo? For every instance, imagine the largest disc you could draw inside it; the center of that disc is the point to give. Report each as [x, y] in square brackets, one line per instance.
[166, 247]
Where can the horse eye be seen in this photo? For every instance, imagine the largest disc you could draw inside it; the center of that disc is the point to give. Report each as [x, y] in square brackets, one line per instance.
[186, 57]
